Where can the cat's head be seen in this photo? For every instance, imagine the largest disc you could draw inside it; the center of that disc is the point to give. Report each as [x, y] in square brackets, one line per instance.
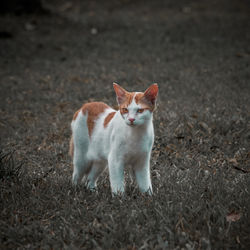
[136, 108]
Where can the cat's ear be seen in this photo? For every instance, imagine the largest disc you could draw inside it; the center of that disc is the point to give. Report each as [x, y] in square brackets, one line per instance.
[120, 93]
[151, 93]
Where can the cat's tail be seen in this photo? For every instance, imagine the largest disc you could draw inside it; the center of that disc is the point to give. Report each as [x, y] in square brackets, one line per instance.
[79, 144]
[71, 147]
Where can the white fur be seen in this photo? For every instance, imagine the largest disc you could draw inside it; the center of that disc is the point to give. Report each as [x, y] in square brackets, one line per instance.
[119, 145]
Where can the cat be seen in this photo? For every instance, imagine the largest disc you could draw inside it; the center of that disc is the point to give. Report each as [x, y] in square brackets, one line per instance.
[102, 136]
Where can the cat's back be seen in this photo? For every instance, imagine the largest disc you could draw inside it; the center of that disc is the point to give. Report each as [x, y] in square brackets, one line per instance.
[93, 111]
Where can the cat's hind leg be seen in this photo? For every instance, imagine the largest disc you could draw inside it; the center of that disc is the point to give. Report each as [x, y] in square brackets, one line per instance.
[80, 147]
[95, 171]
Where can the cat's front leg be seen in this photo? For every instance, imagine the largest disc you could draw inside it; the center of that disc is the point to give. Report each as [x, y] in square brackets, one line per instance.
[116, 174]
[142, 174]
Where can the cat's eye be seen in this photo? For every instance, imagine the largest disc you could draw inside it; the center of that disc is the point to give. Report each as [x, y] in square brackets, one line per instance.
[124, 110]
[140, 110]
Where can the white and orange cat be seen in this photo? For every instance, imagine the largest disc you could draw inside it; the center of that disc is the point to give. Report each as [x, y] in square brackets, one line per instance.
[102, 136]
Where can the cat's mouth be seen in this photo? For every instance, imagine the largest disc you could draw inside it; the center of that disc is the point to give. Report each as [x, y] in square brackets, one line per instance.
[131, 124]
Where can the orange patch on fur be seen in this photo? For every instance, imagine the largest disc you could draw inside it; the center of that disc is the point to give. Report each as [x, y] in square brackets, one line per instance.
[124, 98]
[108, 118]
[140, 99]
[128, 99]
[146, 100]
[93, 109]
[76, 114]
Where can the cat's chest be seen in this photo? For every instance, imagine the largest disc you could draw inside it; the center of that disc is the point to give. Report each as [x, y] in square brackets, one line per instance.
[133, 142]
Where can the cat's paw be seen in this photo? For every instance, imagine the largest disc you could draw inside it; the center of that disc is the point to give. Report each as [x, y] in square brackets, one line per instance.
[118, 193]
[149, 192]
[91, 186]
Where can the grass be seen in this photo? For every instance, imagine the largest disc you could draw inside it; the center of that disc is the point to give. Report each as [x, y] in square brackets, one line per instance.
[188, 210]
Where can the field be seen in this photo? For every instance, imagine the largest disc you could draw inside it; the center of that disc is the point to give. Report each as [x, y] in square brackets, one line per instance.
[199, 54]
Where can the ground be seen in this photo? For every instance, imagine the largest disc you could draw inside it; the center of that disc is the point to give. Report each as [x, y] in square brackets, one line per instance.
[50, 63]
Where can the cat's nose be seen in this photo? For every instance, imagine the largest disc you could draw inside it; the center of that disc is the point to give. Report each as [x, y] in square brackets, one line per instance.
[131, 119]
